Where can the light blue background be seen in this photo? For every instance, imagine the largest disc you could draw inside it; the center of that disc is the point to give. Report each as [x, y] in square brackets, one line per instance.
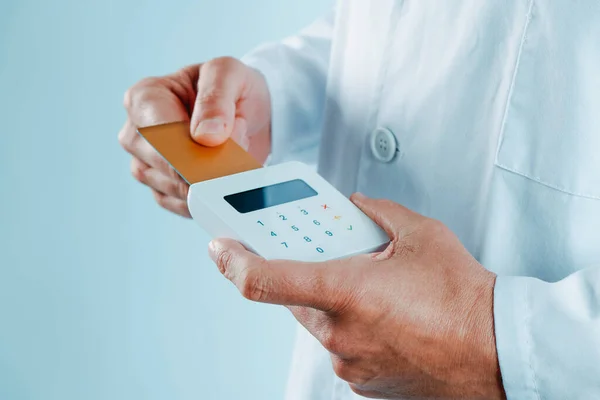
[102, 294]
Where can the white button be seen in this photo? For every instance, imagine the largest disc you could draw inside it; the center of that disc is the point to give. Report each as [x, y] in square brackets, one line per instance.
[383, 144]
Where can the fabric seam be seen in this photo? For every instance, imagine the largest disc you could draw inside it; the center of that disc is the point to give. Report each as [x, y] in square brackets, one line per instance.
[514, 78]
[528, 341]
[544, 183]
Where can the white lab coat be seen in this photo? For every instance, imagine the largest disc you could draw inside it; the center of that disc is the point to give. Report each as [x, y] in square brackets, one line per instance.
[495, 110]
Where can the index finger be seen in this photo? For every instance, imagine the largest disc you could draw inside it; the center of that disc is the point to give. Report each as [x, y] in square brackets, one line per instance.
[154, 101]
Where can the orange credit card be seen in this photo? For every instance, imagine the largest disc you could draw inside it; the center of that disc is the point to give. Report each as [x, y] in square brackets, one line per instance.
[192, 161]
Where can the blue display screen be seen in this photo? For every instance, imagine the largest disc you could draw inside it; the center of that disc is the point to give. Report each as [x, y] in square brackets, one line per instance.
[270, 196]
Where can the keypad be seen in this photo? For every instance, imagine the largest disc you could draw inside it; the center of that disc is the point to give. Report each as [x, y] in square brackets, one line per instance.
[315, 229]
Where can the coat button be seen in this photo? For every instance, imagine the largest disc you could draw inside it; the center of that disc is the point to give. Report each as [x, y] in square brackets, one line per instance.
[383, 144]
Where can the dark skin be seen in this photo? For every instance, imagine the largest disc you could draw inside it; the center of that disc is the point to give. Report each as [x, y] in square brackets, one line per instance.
[414, 321]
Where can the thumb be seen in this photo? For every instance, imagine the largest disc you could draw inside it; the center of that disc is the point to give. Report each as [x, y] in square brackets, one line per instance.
[283, 282]
[220, 86]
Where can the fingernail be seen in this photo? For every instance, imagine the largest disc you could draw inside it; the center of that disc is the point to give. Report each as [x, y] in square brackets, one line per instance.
[359, 196]
[213, 126]
[245, 142]
[212, 249]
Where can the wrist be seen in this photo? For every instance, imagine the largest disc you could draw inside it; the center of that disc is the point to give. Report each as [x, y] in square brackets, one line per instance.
[482, 339]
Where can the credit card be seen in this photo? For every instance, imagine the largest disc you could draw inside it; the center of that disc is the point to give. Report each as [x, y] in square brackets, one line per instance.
[192, 161]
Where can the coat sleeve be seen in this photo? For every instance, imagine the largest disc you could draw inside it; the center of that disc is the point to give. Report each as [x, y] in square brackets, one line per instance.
[548, 336]
[296, 73]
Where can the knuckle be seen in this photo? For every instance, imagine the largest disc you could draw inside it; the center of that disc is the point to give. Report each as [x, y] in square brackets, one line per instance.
[343, 369]
[347, 370]
[137, 93]
[184, 210]
[161, 200]
[180, 189]
[149, 82]
[331, 341]
[211, 98]
[254, 285]
[137, 171]
[127, 98]
[170, 187]
[170, 171]
[126, 139]
[223, 261]
[222, 63]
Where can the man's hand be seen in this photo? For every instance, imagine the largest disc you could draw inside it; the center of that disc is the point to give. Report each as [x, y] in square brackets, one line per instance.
[415, 321]
[222, 98]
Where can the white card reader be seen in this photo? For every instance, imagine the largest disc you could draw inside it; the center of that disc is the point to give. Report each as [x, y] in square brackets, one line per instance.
[285, 211]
